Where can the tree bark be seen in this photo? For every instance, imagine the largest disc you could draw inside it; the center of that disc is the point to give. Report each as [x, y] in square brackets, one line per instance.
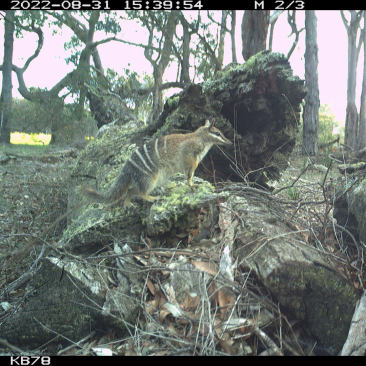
[160, 63]
[84, 62]
[254, 29]
[6, 92]
[362, 125]
[302, 278]
[311, 109]
[184, 75]
[355, 344]
[232, 36]
[221, 48]
[351, 131]
[272, 21]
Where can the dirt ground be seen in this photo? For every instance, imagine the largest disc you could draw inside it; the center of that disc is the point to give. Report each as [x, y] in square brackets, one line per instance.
[32, 194]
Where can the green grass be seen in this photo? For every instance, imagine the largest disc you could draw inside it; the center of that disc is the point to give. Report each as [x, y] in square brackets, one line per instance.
[293, 193]
[25, 150]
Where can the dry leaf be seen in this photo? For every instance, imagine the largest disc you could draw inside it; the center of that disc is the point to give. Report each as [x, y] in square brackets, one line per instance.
[207, 267]
[225, 301]
[149, 242]
[225, 346]
[172, 309]
[190, 302]
[131, 352]
[162, 315]
[151, 287]
[161, 353]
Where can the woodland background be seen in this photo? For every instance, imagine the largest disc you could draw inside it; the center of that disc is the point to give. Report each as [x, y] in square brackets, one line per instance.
[179, 48]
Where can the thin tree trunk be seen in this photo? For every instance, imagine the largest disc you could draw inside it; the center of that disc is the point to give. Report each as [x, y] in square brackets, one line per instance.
[232, 36]
[161, 63]
[351, 111]
[184, 75]
[351, 129]
[254, 29]
[311, 109]
[362, 125]
[157, 94]
[6, 92]
[221, 48]
[271, 30]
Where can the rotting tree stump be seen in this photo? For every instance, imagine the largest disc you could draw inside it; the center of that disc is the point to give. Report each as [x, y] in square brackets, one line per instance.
[257, 105]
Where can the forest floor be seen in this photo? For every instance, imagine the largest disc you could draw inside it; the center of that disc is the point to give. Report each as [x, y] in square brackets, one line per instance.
[33, 194]
[33, 189]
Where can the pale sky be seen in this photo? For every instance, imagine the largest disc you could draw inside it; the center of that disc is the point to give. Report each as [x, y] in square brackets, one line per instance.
[50, 66]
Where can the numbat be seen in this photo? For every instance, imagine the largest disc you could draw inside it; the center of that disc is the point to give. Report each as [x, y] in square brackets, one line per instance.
[156, 161]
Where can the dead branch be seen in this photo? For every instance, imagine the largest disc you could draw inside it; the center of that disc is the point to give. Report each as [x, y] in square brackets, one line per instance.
[355, 344]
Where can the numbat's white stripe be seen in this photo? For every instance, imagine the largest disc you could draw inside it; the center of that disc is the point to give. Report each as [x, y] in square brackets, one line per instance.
[143, 160]
[148, 156]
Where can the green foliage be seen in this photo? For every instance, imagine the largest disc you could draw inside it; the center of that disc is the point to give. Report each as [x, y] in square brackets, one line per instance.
[28, 18]
[109, 23]
[75, 45]
[203, 40]
[293, 193]
[29, 117]
[128, 86]
[51, 117]
[327, 125]
[328, 129]
[205, 49]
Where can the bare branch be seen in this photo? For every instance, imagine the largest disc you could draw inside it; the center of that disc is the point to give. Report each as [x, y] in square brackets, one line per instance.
[274, 16]
[345, 21]
[291, 18]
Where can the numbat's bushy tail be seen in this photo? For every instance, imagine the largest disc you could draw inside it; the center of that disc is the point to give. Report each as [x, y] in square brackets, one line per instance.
[156, 161]
[115, 193]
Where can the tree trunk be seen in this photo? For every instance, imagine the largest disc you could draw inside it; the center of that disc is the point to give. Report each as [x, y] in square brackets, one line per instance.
[157, 93]
[311, 109]
[232, 36]
[351, 130]
[221, 48]
[161, 64]
[351, 111]
[184, 75]
[362, 125]
[6, 92]
[254, 29]
[271, 30]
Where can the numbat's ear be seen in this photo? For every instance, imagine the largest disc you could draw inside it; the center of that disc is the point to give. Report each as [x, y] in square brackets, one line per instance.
[210, 124]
